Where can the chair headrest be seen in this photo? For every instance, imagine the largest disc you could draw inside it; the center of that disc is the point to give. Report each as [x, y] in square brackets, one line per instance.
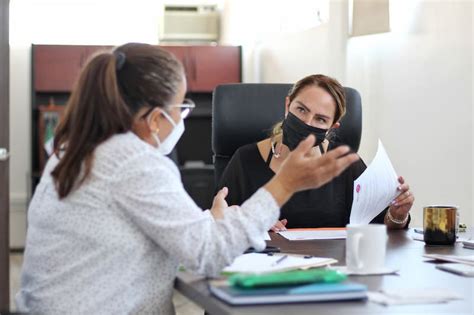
[245, 113]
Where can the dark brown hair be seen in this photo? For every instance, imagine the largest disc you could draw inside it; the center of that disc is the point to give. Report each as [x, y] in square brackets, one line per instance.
[111, 89]
[330, 85]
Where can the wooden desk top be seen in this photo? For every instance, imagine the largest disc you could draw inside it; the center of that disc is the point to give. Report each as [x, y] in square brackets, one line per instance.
[403, 253]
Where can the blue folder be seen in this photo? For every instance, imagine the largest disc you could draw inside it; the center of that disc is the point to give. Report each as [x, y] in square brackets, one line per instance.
[317, 292]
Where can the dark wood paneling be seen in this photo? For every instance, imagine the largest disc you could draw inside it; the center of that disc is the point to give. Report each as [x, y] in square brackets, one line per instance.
[208, 66]
[56, 67]
[4, 143]
[211, 66]
[91, 51]
[182, 54]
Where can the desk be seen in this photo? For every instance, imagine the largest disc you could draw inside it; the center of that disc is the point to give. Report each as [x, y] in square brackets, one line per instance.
[402, 253]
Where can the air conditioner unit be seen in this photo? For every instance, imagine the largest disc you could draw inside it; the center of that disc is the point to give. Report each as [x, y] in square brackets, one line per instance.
[190, 23]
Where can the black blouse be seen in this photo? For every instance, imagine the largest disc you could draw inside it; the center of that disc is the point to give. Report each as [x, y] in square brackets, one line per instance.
[327, 206]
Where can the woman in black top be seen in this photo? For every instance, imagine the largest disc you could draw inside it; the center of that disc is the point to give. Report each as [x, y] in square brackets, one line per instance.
[314, 105]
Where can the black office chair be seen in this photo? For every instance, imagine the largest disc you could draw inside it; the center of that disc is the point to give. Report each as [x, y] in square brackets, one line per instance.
[245, 113]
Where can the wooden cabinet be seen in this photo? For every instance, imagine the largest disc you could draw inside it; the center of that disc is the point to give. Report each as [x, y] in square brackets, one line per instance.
[212, 67]
[182, 54]
[57, 67]
[208, 66]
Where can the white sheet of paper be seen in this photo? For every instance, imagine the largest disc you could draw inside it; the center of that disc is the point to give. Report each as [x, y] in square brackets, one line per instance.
[413, 296]
[375, 188]
[261, 263]
[267, 237]
[463, 259]
[314, 235]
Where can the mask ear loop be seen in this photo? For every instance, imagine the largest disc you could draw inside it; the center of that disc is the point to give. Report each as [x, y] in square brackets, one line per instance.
[154, 133]
[155, 136]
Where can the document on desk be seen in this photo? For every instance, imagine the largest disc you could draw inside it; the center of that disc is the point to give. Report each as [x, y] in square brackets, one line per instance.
[262, 263]
[375, 188]
[267, 237]
[463, 259]
[314, 234]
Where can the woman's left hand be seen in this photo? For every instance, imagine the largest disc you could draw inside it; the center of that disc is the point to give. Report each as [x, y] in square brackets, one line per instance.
[400, 207]
[219, 205]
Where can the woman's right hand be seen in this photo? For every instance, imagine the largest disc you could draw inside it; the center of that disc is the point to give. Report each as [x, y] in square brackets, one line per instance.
[302, 170]
[280, 225]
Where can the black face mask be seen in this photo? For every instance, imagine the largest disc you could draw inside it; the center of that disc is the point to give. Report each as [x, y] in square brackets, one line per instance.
[295, 131]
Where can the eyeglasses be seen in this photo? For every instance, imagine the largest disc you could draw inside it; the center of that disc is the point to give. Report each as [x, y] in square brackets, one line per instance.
[186, 107]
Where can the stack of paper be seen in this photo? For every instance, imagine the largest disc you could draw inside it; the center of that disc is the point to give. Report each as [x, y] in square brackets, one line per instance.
[468, 244]
[375, 188]
[314, 234]
[468, 260]
[412, 296]
[262, 263]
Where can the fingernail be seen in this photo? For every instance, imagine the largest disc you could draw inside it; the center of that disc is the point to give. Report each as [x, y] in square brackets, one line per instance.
[393, 202]
[399, 187]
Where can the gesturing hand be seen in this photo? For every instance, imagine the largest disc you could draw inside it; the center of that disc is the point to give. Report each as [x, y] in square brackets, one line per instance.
[302, 170]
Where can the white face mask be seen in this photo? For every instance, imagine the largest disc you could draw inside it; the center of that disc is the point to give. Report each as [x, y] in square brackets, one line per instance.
[170, 142]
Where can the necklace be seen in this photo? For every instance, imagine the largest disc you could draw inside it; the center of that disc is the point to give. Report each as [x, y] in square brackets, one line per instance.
[275, 154]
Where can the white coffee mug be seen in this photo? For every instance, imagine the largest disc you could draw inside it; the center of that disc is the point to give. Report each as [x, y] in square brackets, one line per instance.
[365, 247]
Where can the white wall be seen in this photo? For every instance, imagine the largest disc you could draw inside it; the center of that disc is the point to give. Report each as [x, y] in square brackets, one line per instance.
[416, 87]
[472, 119]
[267, 33]
[20, 117]
[418, 97]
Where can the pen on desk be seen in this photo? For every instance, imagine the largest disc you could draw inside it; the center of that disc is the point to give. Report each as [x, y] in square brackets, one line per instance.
[280, 260]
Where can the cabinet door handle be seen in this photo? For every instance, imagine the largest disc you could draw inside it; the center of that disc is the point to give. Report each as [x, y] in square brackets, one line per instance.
[187, 68]
[194, 68]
